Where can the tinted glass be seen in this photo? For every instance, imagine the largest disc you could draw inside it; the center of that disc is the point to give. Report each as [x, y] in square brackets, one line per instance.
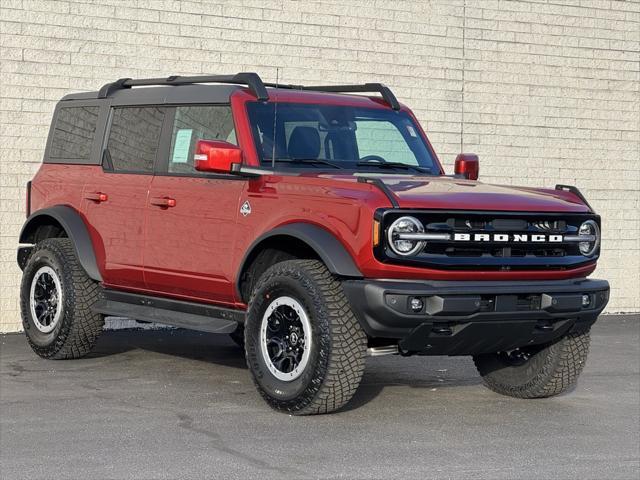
[134, 137]
[381, 138]
[197, 123]
[312, 136]
[73, 134]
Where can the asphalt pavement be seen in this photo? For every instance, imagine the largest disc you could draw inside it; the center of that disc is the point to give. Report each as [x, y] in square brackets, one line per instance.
[176, 404]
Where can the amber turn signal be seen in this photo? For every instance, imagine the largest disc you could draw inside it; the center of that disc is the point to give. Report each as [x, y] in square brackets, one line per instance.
[376, 233]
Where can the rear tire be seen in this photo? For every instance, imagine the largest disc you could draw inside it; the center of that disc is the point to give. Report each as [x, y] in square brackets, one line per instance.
[536, 372]
[304, 347]
[56, 297]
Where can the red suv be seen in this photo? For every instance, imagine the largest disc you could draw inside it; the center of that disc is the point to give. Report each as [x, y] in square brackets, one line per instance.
[314, 227]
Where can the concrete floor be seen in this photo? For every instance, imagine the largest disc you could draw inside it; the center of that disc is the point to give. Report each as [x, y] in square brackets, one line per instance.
[178, 404]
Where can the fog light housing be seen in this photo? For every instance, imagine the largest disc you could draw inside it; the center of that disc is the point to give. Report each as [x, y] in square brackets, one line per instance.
[586, 300]
[416, 304]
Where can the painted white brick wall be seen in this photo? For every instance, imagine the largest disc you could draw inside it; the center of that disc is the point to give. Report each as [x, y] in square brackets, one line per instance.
[544, 91]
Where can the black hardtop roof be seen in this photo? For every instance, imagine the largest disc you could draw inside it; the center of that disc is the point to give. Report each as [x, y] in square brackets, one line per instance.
[193, 89]
[154, 95]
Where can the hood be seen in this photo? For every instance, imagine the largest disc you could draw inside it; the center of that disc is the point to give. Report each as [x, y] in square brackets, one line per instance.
[448, 193]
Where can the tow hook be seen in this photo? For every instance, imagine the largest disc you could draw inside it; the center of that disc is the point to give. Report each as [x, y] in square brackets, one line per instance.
[544, 327]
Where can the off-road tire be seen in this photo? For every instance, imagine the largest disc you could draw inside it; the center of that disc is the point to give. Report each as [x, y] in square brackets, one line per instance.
[338, 348]
[79, 327]
[551, 371]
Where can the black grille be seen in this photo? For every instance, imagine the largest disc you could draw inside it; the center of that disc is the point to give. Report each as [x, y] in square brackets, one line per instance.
[492, 255]
[445, 248]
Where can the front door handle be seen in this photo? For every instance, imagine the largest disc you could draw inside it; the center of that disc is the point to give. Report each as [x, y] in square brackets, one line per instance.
[97, 197]
[164, 202]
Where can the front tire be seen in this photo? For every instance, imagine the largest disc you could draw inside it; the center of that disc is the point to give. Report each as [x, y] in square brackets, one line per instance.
[56, 297]
[304, 347]
[536, 371]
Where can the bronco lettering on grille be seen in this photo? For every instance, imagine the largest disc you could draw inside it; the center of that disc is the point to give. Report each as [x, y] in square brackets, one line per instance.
[506, 237]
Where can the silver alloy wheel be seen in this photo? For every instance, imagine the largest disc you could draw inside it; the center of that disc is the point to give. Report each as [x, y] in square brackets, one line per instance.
[45, 299]
[285, 338]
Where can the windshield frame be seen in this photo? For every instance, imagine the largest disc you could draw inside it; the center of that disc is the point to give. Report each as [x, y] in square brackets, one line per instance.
[356, 102]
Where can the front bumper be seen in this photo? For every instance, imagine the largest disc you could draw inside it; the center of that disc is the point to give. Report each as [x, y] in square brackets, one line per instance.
[468, 318]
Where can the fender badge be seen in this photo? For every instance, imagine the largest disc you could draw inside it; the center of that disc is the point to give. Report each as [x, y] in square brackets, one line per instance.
[245, 209]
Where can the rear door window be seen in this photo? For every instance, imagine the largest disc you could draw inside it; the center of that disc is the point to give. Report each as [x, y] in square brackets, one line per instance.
[73, 135]
[134, 137]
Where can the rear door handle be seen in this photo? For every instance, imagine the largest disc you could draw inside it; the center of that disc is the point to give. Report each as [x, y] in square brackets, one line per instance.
[96, 197]
[164, 202]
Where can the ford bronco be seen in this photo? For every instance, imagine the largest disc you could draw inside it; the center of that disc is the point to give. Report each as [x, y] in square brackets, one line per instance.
[314, 226]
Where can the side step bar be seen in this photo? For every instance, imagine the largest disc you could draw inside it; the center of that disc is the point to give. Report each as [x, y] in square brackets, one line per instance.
[381, 351]
[177, 313]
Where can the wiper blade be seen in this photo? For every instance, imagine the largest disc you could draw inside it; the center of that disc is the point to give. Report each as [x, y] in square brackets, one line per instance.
[309, 161]
[403, 166]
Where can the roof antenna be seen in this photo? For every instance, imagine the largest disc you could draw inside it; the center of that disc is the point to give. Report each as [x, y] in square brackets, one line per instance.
[275, 116]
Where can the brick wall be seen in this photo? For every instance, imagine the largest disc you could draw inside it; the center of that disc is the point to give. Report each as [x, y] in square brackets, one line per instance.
[544, 91]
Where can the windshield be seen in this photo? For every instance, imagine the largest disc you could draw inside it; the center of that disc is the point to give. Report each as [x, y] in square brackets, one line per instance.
[338, 137]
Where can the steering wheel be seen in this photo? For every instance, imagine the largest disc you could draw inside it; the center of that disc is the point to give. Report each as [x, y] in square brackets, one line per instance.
[373, 158]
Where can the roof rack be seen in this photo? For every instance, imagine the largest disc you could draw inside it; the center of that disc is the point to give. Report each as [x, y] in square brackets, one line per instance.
[253, 81]
[380, 88]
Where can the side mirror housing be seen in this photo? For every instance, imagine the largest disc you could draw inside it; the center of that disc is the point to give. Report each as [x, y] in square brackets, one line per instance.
[216, 156]
[467, 166]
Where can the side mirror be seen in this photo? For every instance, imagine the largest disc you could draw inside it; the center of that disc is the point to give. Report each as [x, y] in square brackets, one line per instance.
[216, 156]
[467, 166]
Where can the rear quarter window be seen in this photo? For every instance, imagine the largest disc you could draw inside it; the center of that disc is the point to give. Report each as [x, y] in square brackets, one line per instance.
[73, 134]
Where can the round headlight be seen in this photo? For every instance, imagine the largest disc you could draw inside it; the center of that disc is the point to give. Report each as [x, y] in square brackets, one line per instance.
[405, 246]
[590, 229]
